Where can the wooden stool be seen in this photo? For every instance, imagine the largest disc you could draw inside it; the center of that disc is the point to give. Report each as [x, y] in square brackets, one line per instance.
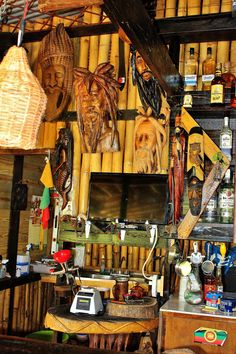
[62, 294]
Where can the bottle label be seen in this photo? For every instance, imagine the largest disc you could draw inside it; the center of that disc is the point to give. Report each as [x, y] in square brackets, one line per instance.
[207, 78]
[217, 93]
[225, 141]
[226, 199]
[208, 287]
[190, 80]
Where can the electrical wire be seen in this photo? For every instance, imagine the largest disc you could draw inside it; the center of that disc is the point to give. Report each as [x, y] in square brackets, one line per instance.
[149, 254]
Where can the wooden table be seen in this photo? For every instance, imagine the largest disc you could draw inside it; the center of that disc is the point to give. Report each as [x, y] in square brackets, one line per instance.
[60, 319]
[178, 321]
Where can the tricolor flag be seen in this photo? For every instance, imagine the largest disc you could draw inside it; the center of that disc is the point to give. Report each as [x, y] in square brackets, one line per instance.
[47, 181]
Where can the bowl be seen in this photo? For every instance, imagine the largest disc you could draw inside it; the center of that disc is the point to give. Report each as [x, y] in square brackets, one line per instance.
[62, 256]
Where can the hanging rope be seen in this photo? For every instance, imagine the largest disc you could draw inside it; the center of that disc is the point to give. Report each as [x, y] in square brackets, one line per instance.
[22, 24]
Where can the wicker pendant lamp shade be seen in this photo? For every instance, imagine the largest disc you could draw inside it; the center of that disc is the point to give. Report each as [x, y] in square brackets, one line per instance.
[22, 101]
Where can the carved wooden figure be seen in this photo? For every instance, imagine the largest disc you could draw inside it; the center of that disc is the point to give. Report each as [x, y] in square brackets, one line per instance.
[195, 169]
[177, 169]
[220, 166]
[150, 91]
[149, 139]
[96, 100]
[62, 173]
[56, 60]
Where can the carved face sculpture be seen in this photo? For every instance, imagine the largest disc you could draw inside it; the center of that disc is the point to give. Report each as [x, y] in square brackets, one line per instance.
[148, 87]
[96, 99]
[195, 195]
[56, 59]
[194, 154]
[142, 67]
[149, 137]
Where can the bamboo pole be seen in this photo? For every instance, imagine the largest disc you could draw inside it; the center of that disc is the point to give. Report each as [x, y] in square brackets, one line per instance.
[116, 253]
[95, 255]
[84, 42]
[224, 46]
[27, 299]
[135, 258]
[6, 311]
[109, 257]
[160, 9]
[141, 257]
[39, 304]
[170, 8]
[117, 158]
[2, 301]
[114, 55]
[130, 257]
[88, 250]
[75, 190]
[50, 133]
[182, 11]
[149, 266]
[15, 308]
[123, 256]
[129, 130]
[84, 184]
[233, 57]
[157, 261]
[101, 253]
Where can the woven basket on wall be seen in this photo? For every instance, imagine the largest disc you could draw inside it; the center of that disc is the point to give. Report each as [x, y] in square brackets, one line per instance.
[22, 101]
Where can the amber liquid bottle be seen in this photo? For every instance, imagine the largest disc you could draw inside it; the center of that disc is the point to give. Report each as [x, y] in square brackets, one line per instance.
[227, 75]
[190, 72]
[208, 70]
[218, 88]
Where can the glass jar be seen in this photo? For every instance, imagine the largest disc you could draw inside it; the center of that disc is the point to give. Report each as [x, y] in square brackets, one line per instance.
[193, 294]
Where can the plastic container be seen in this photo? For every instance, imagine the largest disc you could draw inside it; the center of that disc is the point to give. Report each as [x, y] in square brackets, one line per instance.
[22, 265]
[46, 335]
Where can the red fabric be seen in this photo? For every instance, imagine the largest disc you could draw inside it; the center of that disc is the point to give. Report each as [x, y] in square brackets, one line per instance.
[45, 217]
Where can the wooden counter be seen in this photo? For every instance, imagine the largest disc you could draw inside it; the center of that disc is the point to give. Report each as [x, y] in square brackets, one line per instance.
[178, 321]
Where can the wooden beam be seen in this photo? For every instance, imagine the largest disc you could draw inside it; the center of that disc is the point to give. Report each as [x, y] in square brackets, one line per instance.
[132, 17]
[196, 29]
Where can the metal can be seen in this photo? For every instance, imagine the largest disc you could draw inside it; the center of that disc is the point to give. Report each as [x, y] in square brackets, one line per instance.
[227, 304]
[213, 298]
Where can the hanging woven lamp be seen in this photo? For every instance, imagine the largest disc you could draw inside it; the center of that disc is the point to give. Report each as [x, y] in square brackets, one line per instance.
[22, 101]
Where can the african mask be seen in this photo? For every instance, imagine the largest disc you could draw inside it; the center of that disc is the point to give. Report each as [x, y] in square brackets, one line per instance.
[195, 195]
[96, 100]
[196, 152]
[56, 60]
[149, 140]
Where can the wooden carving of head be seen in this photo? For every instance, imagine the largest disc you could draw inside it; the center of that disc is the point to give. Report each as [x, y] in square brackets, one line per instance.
[56, 60]
[149, 140]
[96, 100]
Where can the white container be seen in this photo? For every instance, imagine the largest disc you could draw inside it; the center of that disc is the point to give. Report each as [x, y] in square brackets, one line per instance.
[22, 265]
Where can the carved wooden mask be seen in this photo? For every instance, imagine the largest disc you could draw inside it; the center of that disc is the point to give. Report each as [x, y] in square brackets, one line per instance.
[96, 100]
[149, 139]
[56, 60]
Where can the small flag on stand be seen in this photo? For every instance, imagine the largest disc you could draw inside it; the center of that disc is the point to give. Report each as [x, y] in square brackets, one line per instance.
[47, 181]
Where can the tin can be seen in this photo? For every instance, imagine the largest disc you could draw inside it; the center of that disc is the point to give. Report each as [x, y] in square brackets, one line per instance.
[227, 304]
[213, 298]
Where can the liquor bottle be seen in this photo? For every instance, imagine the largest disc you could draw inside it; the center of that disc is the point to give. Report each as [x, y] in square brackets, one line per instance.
[210, 212]
[227, 75]
[208, 70]
[233, 94]
[190, 72]
[209, 284]
[226, 137]
[217, 88]
[226, 201]
[219, 283]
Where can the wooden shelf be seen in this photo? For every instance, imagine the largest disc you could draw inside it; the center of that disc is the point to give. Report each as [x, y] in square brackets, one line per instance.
[25, 152]
[8, 283]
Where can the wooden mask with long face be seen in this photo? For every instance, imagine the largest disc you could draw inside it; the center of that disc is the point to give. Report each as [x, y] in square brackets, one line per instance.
[56, 60]
[96, 101]
[149, 140]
